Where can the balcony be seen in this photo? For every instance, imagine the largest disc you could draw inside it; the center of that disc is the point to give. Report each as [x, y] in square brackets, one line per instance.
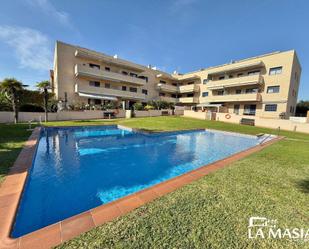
[94, 73]
[235, 82]
[92, 55]
[189, 88]
[247, 97]
[84, 88]
[167, 88]
[168, 99]
[188, 100]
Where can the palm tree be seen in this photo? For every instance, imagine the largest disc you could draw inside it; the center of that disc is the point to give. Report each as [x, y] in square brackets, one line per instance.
[12, 89]
[43, 86]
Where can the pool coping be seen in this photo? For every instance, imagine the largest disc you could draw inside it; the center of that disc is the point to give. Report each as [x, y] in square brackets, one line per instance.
[12, 187]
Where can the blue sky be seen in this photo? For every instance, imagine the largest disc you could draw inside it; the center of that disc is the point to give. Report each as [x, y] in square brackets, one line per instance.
[182, 35]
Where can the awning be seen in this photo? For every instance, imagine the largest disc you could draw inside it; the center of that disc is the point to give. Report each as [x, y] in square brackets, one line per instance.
[97, 96]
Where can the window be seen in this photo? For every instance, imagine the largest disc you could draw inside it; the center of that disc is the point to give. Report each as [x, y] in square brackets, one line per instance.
[143, 78]
[205, 94]
[123, 88]
[205, 81]
[291, 109]
[107, 85]
[107, 68]
[174, 84]
[133, 89]
[94, 83]
[162, 81]
[97, 101]
[65, 97]
[191, 83]
[221, 77]
[271, 108]
[231, 76]
[162, 94]
[133, 75]
[249, 110]
[144, 91]
[94, 66]
[220, 92]
[190, 95]
[275, 70]
[236, 109]
[252, 90]
[255, 72]
[240, 74]
[273, 89]
[124, 73]
[238, 91]
[173, 96]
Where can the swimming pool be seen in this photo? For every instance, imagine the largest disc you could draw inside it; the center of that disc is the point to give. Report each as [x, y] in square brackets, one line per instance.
[76, 169]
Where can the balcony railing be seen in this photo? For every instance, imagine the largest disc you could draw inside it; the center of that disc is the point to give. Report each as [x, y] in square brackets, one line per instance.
[81, 87]
[81, 70]
[235, 82]
[108, 59]
[234, 98]
[169, 99]
[167, 88]
[189, 100]
[189, 88]
[175, 89]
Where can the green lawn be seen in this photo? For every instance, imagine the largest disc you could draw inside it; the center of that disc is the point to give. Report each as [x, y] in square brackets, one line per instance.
[12, 138]
[212, 212]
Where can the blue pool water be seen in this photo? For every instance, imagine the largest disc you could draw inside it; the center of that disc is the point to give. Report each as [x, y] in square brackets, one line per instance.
[76, 169]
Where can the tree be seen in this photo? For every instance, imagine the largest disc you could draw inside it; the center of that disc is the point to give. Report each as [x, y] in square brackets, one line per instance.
[43, 86]
[12, 88]
[302, 108]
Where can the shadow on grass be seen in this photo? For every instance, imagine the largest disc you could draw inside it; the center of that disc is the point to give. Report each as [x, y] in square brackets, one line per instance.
[303, 186]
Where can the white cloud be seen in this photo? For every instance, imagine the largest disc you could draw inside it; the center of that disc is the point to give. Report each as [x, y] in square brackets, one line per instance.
[31, 47]
[50, 10]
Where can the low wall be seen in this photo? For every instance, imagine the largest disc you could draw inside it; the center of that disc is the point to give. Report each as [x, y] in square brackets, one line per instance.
[284, 124]
[150, 113]
[193, 114]
[300, 119]
[8, 117]
[156, 113]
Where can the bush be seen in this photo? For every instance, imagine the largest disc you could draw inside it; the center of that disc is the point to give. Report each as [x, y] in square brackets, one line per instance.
[138, 106]
[149, 107]
[31, 108]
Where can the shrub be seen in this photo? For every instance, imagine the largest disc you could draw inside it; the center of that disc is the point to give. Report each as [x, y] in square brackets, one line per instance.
[149, 107]
[138, 106]
[31, 108]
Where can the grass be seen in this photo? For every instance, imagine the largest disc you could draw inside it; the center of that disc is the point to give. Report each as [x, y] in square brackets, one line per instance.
[212, 212]
[12, 139]
[179, 123]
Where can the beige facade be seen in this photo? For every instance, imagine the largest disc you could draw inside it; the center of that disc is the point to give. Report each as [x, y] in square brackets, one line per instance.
[265, 86]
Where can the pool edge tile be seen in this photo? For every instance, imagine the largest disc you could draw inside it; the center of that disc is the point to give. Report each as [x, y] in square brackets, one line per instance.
[76, 225]
[105, 213]
[46, 237]
[129, 203]
[12, 187]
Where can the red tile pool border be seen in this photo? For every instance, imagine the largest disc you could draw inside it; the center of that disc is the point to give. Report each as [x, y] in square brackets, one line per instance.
[55, 234]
